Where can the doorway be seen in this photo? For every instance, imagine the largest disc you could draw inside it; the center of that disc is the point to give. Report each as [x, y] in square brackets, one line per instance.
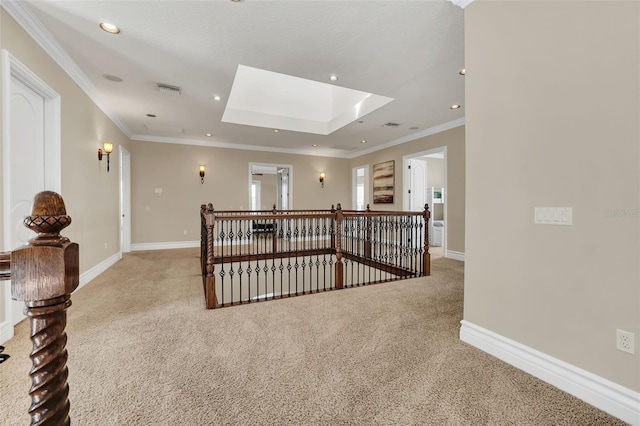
[125, 200]
[360, 185]
[276, 185]
[425, 182]
[31, 161]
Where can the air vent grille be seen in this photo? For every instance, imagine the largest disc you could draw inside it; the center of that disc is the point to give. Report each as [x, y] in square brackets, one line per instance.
[390, 124]
[167, 88]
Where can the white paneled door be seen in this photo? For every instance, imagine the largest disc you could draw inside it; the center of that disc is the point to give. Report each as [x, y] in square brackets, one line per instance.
[27, 164]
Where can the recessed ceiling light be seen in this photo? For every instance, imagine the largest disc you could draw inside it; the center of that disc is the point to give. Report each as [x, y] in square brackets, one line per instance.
[314, 145]
[414, 128]
[110, 28]
[456, 106]
[363, 141]
[237, 1]
[333, 77]
[216, 98]
[276, 130]
[463, 71]
[208, 135]
[151, 115]
[360, 121]
[114, 78]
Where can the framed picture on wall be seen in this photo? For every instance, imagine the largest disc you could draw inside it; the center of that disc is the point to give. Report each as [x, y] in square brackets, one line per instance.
[383, 182]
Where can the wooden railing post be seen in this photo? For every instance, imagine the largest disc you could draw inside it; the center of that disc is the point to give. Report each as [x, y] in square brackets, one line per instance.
[426, 256]
[203, 240]
[367, 235]
[210, 279]
[44, 273]
[339, 274]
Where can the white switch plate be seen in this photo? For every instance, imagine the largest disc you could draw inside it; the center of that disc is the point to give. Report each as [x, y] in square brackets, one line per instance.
[553, 215]
[158, 192]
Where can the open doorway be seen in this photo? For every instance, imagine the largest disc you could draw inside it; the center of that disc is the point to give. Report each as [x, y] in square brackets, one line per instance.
[425, 182]
[269, 185]
[360, 185]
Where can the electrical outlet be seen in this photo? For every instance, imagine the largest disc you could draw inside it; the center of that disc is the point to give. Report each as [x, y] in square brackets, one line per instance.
[625, 341]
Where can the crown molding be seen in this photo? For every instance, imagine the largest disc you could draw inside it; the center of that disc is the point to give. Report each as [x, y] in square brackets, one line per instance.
[34, 28]
[421, 134]
[461, 3]
[218, 144]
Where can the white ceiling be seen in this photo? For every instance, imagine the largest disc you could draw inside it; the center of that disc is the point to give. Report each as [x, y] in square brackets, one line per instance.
[410, 51]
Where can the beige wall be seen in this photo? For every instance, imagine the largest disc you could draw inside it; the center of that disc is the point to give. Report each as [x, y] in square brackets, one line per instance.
[90, 193]
[268, 190]
[454, 140]
[552, 107]
[435, 172]
[226, 184]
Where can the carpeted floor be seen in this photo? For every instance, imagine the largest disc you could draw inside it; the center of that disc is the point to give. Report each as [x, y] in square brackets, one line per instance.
[144, 351]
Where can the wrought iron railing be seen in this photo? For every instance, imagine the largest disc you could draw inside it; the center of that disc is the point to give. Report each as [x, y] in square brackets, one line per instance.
[255, 256]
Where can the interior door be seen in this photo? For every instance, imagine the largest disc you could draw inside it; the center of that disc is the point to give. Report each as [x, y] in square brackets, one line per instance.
[27, 165]
[125, 200]
[418, 185]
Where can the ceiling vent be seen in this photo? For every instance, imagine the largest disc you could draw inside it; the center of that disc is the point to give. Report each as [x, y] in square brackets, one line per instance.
[166, 88]
[390, 124]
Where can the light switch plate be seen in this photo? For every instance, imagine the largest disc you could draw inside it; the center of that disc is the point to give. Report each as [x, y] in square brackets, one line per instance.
[553, 215]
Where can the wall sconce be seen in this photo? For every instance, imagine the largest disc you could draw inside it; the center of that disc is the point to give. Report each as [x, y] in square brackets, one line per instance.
[108, 148]
[322, 179]
[201, 173]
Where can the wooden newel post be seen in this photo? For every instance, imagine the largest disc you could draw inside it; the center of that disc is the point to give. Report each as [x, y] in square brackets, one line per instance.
[338, 244]
[209, 278]
[426, 261]
[44, 273]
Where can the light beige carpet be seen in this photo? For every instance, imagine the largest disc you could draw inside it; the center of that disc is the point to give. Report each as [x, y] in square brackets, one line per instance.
[144, 351]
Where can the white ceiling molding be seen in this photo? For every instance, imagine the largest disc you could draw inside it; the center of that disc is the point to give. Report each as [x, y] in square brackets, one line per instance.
[32, 26]
[461, 3]
[215, 144]
[421, 134]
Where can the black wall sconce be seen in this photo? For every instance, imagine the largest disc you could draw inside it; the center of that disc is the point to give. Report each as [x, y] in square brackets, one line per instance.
[201, 173]
[322, 179]
[108, 149]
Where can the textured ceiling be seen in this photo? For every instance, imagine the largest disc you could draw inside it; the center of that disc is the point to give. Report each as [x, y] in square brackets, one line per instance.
[407, 50]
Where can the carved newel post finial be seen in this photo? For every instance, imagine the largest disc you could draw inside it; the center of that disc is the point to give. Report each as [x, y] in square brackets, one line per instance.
[44, 273]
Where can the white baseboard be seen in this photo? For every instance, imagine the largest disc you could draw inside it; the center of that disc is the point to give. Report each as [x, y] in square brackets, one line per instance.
[165, 246]
[455, 255]
[90, 274]
[6, 331]
[616, 400]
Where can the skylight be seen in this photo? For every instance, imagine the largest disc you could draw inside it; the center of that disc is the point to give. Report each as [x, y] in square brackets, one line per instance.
[279, 101]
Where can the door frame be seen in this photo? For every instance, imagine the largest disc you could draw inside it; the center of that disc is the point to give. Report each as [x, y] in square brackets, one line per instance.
[354, 183]
[13, 68]
[276, 165]
[406, 179]
[125, 202]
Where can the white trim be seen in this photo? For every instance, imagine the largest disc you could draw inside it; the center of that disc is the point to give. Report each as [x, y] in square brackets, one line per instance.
[426, 132]
[218, 144]
[6, 331]
[608, 396]
[461, 3]
[455, 255]
[92, 273]
[165, 246]
[32, 26]
[276, 165]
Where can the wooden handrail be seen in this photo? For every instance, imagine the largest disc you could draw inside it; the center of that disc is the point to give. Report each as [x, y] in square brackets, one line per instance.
[43, 274]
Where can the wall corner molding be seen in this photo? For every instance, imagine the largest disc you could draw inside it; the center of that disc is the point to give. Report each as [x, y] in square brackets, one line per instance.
[455, 255]
[604, 394]
[6, 331]
[32, 26]
[461, 3]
